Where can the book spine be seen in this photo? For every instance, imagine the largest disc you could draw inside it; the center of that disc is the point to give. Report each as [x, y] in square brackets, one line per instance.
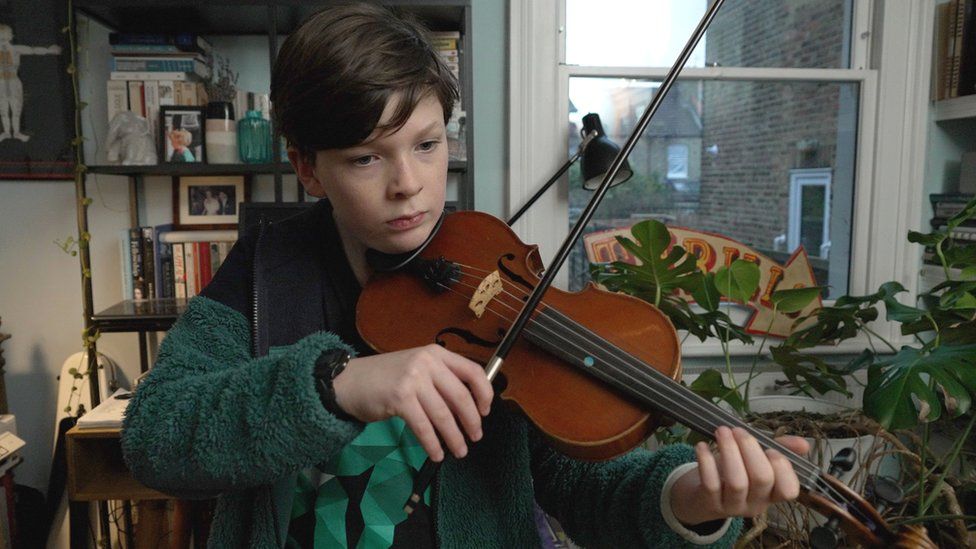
[215, 259]
[967, 54]
[190, 264]
[128, 64]
[960, 9]
[126, 259]
[117, 97]
[179, 271]
[151, 93]
[138, 277]
[136, 101]
[149, 261]
[189, 91]
[149, 75]
[180, 40]
[204, 264]
[166, 92]
[165, 271]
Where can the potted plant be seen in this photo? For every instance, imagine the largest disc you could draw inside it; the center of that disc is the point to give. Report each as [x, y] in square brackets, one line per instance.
[221, 128]
[910, 392]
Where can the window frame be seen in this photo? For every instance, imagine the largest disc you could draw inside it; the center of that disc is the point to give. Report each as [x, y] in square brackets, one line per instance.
[890, 51]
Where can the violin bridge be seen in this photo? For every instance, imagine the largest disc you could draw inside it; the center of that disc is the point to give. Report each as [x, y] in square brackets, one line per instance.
[487, 290]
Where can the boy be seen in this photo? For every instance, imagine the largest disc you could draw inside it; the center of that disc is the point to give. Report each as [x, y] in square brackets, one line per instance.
[362, 99]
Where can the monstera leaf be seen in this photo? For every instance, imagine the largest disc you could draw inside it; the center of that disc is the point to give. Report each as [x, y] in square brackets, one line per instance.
[711, 386]
[899, 395]
[794, 300]
[808, 372]
[661, 271]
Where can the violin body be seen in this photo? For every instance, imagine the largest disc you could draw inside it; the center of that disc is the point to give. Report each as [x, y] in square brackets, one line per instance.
[582, 417]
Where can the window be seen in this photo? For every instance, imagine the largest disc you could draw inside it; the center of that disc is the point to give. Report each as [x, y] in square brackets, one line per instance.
[809, 221]
[678, 161]
[774, 90]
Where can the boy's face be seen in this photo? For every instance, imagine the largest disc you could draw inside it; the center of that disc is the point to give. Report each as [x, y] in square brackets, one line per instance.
[388, 192]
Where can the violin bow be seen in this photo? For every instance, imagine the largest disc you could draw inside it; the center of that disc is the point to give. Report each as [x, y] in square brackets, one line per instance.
[429, 469]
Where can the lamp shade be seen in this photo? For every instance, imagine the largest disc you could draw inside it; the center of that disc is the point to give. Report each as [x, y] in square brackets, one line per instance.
[599, 156]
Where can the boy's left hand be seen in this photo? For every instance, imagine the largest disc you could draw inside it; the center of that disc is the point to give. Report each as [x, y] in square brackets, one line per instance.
[743, 480]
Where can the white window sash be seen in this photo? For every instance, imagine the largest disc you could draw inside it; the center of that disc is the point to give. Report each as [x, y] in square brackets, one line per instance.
[890, 150]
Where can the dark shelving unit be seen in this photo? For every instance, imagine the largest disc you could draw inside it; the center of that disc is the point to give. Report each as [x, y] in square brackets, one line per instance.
[271, 18]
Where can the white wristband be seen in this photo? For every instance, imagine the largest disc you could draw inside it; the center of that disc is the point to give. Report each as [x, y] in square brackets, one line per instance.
[673, 521]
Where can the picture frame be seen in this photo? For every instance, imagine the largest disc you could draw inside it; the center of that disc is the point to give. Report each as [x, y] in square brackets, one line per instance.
[182, 137]
[209, 202]
[38, 127]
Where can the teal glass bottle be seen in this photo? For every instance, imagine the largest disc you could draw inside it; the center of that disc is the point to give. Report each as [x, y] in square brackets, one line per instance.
[254, 138]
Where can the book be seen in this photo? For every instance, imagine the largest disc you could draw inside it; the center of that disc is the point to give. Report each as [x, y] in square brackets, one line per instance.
[151, 75]
[167, 92]
[942, 54]
[135, 256]
[179, 270]
[189, 266]
[151, 64]
[149, 261]
[228, 235]
[162, 252]
[183, 41]
[150, 94]
[125, 255]
[116, 98]
[966, 84]
[215, 258]
[203, 263]
[960, 11]
[137, 102]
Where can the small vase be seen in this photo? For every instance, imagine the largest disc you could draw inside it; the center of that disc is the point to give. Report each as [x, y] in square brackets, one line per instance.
[221, 133]
[254, 138]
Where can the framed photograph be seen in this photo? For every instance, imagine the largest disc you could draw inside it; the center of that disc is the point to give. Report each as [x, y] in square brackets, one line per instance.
[182, 136]
[36, 98]
[208, 202]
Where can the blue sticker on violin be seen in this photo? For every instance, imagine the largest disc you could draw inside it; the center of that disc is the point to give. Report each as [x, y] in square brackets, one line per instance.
[588, 361]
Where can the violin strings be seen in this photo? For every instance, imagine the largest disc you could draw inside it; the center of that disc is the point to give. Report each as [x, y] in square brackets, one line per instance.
[704, 407]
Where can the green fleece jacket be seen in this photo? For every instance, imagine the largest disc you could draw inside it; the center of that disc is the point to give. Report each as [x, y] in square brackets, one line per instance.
[210, 421]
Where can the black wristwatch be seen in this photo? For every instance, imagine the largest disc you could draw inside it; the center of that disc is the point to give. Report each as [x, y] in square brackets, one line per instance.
[329, 365]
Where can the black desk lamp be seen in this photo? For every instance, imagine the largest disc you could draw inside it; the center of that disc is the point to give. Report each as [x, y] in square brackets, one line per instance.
[598, 153]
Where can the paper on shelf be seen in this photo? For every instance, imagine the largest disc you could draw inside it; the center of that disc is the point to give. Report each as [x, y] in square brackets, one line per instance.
[108, 414]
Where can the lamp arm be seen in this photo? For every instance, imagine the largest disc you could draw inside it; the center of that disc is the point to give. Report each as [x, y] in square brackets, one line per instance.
[528, 204]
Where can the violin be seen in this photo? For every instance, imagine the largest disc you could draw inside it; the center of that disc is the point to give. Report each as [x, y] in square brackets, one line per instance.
[595, 371]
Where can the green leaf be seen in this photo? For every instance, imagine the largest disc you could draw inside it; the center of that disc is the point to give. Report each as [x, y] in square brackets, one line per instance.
[898, 395]
[711, 386]
[706, 294]
[894, 310]
[738, 281]
[968, 273]
[796, 299]
[964, 215]
[808, 372]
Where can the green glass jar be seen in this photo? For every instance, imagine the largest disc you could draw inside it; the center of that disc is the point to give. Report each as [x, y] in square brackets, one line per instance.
[254, 138]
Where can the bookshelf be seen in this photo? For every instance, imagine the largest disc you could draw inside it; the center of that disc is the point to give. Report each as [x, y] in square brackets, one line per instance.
[250, 21]
[256, 25]
[957, 108]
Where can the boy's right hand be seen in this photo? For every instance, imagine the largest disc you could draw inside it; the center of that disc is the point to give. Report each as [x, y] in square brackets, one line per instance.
[431, 388]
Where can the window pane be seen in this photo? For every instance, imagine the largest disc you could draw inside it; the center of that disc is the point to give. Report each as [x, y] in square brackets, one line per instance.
[744, 33]
[746, 142]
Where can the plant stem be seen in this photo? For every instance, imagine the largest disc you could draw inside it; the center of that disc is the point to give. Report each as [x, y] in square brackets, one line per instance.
[950, 459]
[875, 334]
[755, 359]
[926, 429]
[916, 520]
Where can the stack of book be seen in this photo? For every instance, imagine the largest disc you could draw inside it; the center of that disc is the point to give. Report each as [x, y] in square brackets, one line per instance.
[152, 70]
[448, 45]
[956, 53]
[945, 206]
[158, 262]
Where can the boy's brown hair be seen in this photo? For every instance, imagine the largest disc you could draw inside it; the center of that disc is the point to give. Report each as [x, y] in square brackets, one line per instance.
[335, 73]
